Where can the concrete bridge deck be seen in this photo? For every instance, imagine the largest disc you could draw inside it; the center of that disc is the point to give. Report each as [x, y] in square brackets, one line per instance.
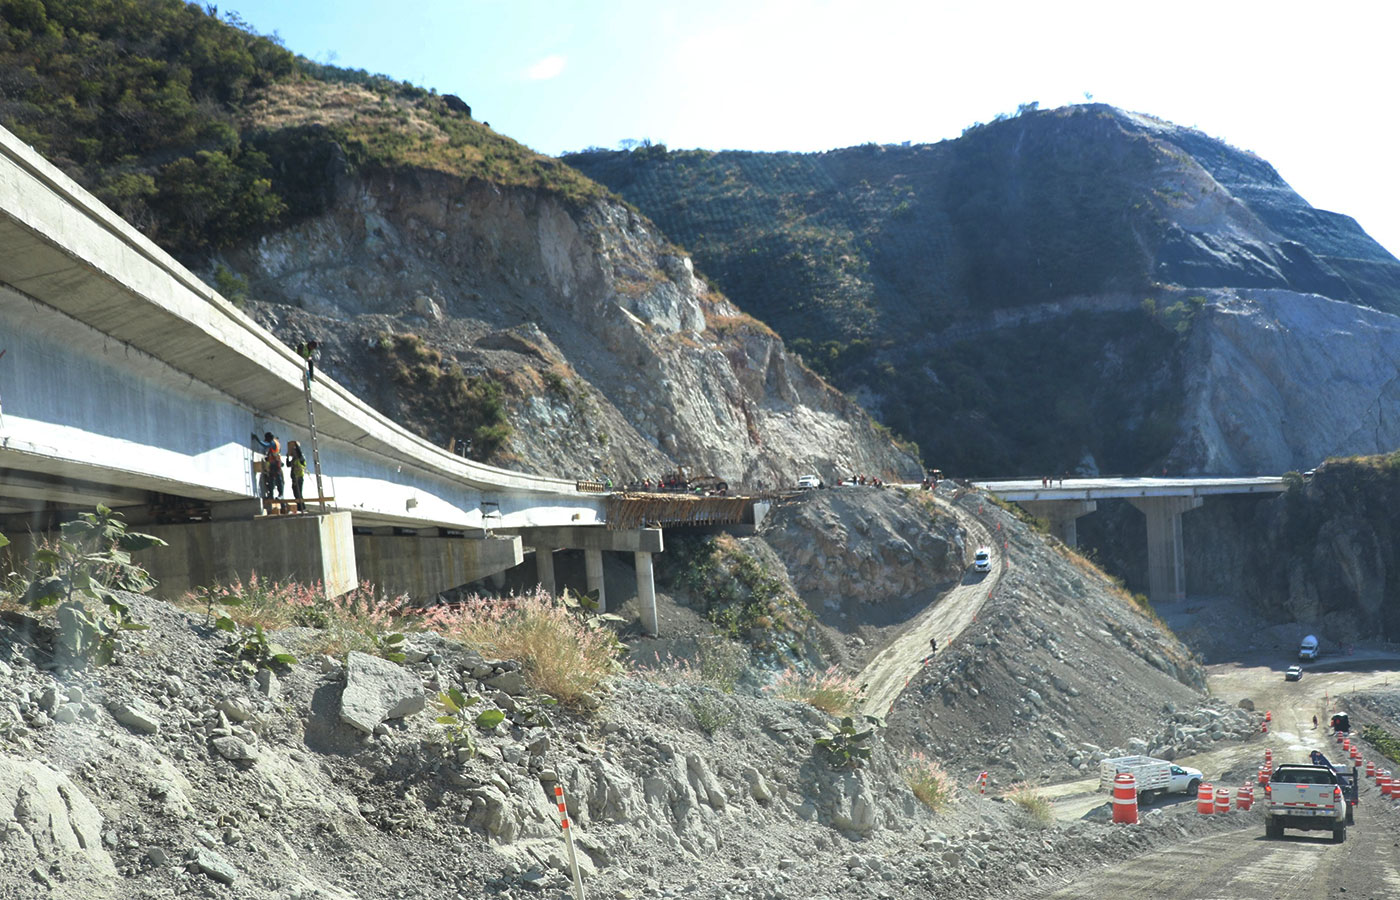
[127, 381]
[1162, 500]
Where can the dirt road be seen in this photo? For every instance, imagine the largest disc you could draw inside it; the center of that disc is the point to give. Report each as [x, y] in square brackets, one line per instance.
[889, 671]
[1291, 735]
[1243, 865]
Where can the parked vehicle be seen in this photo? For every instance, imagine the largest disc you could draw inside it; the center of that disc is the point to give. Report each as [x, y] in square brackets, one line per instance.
[1153, 776]
[1309, 798]
[1308, 649]
[982, 561]
[1293, 673]
[808, 482]
[1340, 722]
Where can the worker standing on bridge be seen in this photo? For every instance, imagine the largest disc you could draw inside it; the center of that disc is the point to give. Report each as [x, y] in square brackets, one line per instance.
[296, 461]
[272, 464]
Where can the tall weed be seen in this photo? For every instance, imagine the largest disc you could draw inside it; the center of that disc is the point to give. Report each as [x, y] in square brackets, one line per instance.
[831, 691]
[560, 652]
[929, 781]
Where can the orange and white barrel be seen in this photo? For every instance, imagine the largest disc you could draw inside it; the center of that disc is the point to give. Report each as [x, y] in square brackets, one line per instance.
[1387, 786]
[1370, 768]
[1346, 745]
[1268, 757]
[1263, 775]
[1269, 716]
[1222, 800]
[1125, 805]
[1244, 797]
[1205, 799]
[1341, 738]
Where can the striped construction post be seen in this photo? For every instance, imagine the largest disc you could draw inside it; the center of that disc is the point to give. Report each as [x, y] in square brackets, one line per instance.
[568, 841]
[982, 783]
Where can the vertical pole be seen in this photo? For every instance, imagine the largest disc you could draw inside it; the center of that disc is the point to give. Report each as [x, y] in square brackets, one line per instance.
[568, 841]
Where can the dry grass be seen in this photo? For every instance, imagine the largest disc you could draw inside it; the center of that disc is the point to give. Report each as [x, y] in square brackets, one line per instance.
[830, 692]
[929, 781]
[560, 653]
[357, 620]
[1035, 804]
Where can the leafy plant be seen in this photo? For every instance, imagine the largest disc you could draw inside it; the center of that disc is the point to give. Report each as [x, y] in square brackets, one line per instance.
[846, 747]
[1387, 743]
[91, 558]
[452, 707]
[251, 650]
[488, 719]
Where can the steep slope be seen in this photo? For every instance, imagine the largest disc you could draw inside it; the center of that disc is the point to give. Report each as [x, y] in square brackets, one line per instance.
[488, 297]
[993, 287]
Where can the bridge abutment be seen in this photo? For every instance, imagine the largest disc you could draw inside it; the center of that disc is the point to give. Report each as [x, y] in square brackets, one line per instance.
[1166, 559]
[1063, 516]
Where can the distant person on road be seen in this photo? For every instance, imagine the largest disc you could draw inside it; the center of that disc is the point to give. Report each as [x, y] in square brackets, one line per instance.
[932, 645]
[296, 461]
[272, 464]
[1314, 723]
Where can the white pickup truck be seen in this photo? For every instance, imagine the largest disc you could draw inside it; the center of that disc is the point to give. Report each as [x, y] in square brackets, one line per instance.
[1153, 776]
[1309, 798]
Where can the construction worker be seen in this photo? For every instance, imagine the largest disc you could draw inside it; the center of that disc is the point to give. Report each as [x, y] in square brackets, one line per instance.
[296, 461]
[272, 464]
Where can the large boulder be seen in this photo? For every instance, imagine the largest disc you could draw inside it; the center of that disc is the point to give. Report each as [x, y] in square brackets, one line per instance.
[46, 822]
[375, 690]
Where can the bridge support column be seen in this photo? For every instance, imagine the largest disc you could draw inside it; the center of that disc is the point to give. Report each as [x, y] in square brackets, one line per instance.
[1062, 515]
[593, 569]
[1166, 563]
[646, 592]
[544, 568]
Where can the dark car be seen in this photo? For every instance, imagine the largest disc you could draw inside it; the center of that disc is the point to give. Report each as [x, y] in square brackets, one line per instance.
[1294, 673]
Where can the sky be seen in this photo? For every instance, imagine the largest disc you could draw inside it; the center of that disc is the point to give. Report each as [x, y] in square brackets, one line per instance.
[1306, 86]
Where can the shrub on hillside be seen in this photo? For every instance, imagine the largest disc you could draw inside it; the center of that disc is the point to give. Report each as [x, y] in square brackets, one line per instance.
[561, 652]
[929, 781]
[830, 691]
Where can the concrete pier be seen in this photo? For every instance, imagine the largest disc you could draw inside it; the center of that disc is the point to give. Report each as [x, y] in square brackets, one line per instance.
[544, 569]
[646, 593]
[1166, 560]
[593, 568]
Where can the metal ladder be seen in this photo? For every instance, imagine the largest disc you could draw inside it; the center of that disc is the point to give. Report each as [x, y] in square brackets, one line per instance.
[315, 442]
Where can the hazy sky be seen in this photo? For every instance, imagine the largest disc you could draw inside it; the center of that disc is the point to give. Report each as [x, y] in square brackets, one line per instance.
[1304, 85]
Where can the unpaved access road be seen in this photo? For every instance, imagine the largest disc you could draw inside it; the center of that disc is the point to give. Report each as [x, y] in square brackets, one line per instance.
[1291, 734]
[1244, 865]
[889, 671]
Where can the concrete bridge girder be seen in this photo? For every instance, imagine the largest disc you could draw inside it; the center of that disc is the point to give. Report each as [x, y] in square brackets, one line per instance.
[1062, 515]
[1166, 559]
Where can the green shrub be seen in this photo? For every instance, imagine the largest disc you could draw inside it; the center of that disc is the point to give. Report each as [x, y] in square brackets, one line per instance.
[847, 747]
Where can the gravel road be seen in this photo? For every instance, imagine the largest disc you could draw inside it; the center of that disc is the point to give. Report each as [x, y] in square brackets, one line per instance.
[889, 671]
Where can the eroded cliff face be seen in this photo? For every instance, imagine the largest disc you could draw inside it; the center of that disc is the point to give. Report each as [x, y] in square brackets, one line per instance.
[1279, 380]
[618, 361]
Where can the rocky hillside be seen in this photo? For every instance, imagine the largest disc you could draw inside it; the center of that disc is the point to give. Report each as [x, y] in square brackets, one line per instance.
[1028, 297]
[488, 297]
[1320, 558]
[174, 772]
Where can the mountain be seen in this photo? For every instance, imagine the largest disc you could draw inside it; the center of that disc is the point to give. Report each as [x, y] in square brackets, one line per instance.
[488, 297]
[1045, 292]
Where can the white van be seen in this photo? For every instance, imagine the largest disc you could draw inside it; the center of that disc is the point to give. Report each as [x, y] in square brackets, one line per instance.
[982, 561]
[808, 483]
[1308, 649]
